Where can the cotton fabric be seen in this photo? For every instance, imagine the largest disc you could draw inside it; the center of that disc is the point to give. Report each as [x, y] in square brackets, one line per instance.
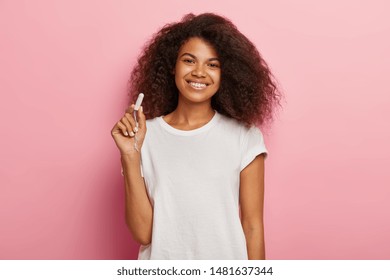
[192, 180]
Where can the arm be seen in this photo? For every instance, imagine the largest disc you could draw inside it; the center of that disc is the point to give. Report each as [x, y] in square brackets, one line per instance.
[139, 212]
[251, 203]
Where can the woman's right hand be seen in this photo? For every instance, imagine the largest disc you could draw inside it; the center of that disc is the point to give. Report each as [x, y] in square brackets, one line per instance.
[125, 131]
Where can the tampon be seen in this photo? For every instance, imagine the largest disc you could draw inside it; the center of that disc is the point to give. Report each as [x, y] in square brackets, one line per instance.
[139, 101]
[136, 107]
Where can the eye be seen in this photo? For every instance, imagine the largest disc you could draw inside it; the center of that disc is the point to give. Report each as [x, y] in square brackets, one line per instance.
[189, 60]
[214, 65]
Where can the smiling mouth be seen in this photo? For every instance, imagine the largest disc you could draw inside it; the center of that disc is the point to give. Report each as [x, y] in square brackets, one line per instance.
[197, 85]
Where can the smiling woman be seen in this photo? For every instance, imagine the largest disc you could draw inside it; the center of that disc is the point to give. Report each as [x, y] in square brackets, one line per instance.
[197, 71]
[195, 188]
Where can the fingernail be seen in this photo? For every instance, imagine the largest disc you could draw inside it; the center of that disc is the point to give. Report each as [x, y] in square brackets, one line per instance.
[141, 109]
[131, 134]
[135, 129]
[126, 133]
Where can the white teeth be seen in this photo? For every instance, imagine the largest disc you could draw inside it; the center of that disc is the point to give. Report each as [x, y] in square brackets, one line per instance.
[197, 85]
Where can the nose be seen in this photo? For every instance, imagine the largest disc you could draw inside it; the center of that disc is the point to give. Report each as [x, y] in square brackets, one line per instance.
[199, 71]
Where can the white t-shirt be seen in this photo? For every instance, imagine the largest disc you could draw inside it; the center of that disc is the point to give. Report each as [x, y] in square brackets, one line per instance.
[193, 179]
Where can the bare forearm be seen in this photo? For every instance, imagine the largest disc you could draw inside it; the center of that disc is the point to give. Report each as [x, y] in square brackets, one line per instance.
[255, 243]
[139, 213]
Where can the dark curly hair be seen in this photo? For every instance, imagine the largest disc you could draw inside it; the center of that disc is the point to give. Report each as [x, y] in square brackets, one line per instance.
[247, 93]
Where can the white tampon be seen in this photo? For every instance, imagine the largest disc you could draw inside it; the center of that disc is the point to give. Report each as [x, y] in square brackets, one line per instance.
[139, 101]
[136, 107]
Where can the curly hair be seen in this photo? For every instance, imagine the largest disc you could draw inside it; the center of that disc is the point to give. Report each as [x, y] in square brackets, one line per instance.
[247, 92]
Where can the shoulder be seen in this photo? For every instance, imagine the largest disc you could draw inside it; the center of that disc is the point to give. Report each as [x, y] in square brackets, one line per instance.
[230, 123]
[152, 122]
[234, 127]
[152, 129]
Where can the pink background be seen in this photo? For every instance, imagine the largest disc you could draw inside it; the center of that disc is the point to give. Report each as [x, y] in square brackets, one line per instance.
[64, 66]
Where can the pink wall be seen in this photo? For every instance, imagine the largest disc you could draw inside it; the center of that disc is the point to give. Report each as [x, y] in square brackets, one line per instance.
[63, 72]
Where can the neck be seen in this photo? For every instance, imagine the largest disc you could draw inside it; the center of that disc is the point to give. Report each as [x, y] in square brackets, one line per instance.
[190, 116]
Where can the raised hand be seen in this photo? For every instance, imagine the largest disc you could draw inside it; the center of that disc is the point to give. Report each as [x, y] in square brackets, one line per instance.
[125, 131]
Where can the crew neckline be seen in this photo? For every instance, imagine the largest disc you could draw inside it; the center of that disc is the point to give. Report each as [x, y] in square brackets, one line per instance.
[191, 132]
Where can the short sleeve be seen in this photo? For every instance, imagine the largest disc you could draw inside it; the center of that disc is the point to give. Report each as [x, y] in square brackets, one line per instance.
[252, 146]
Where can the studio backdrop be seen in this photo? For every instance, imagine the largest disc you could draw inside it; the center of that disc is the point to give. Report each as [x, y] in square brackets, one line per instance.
[64, 67]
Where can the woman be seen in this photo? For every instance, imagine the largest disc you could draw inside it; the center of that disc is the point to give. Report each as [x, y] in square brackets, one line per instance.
[195, 188]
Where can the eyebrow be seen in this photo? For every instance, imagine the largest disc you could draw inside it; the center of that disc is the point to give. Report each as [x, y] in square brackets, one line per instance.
[193, 56]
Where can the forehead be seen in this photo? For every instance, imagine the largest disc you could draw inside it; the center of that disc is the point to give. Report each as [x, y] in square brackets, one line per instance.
[198, 47]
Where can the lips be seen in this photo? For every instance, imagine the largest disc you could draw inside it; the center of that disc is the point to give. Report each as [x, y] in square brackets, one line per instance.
[197, 85]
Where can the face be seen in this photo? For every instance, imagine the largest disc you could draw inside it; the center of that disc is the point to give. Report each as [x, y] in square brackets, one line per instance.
[197, 71]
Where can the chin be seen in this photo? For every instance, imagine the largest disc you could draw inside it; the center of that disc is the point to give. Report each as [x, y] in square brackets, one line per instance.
[198, 96]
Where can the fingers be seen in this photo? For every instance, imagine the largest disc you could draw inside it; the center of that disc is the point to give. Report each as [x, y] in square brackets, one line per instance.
[123, 128]
[141, 118]
[128, 126]
[129, 123]
[130, 109]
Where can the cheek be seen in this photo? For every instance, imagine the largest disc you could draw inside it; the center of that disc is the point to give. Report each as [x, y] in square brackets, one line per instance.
[177, 80]
[179, 77]
[177, 74]
[181, 71]
[216, 77]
